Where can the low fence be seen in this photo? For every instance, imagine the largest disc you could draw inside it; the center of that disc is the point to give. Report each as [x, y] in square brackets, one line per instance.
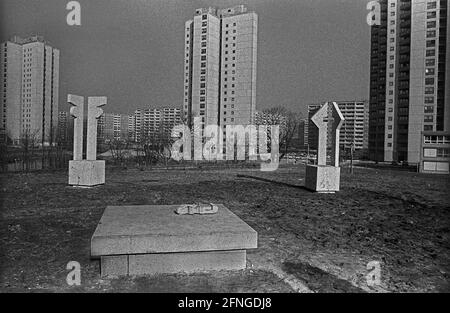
[17, 160]
[35, 165]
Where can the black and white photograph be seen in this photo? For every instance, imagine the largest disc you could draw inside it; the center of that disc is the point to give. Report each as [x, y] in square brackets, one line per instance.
[225, 152]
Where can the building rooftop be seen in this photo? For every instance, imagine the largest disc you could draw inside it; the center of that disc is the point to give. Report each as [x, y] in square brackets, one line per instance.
[235, 10]
[21, 41]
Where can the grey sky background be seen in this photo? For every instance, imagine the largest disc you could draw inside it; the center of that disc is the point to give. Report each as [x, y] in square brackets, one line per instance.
[132, 50]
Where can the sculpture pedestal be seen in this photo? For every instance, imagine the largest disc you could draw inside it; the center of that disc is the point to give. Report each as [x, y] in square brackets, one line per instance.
[86, 173]
[322, 178]
[170, 263]
[153, 239]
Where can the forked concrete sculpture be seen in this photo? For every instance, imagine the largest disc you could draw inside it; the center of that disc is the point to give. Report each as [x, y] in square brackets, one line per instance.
[324, 177]
[89, 172]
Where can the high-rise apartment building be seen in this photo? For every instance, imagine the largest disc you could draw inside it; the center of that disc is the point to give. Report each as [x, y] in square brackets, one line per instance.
[170, 118]
[143, 125]
[302, 133]
[409, 77]
[306, 133]
[131, 126]
[29, 70]
[220, 66]
[354, 131]
[138, 125]
[148, 123]
[112, 126]
[65, 128]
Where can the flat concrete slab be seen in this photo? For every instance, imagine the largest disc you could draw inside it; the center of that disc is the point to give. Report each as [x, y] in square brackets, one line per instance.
[144, 229]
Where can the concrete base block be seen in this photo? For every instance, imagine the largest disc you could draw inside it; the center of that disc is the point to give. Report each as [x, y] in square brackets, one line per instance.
[189, 262]
[159, 263]
[86, 173]
[322, 178]
[114, 265]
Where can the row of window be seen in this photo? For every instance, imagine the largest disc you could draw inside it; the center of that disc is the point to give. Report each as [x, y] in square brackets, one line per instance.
[203, 70]
[430, 71]
[431, 5]
[428, 118]
[226, 38]
[228, 25]
[431, 14]
[227, 32]
[436, 153]
[226, 99]
[431, 24]
[439, 139]
[391, 65]
[225, 106]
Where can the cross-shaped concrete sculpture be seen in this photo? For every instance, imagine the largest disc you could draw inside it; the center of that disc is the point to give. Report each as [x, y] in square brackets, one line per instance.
[89, 172]
[323, 177]
[328, 120]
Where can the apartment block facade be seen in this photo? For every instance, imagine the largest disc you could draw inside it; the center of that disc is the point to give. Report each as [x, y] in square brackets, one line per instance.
[149, 123]
[29, 93]
[220, 66]
[65, 128]
[355, 129]
[302, 133]
[435, 153]
[112, 126]
[409, 78]
[138, 127]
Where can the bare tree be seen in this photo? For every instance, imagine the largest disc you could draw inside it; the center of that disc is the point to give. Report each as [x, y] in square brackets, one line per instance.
[145, 145]
[4, 154]
[119, 150]
[28, 142]
[288, 121]
[163, 147]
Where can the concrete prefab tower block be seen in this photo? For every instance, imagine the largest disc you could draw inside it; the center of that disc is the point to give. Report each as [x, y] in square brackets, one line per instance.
[89, 172]
[324, 177]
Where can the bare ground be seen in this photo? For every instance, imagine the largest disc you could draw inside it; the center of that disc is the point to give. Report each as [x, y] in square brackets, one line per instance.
[307, 241]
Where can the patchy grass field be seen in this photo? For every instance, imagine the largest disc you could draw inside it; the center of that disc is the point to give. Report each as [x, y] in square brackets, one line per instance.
[307, 241]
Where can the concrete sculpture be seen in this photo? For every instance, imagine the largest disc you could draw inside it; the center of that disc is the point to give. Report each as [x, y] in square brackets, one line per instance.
[89, 172]
[325, 175]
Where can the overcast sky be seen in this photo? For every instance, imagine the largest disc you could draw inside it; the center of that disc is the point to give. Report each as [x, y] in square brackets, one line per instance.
[132, 50]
